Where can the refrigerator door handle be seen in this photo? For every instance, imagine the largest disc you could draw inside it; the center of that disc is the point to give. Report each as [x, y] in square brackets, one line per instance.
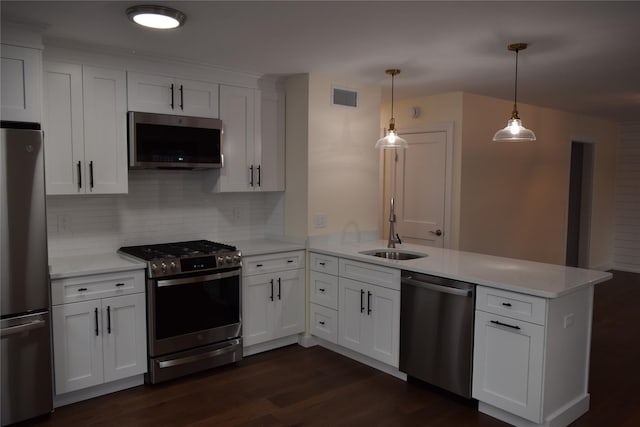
[18, 329]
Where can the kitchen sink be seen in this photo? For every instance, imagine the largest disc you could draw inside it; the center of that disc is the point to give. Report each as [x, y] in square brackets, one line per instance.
[397, 254]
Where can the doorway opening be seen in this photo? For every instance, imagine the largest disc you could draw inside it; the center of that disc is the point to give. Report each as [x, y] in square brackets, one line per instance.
[580, 197]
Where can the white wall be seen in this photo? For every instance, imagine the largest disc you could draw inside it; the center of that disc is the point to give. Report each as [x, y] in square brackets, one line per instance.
[162, 206]
[514, 196]
[343, 163]
[626, 248]
[512, 199]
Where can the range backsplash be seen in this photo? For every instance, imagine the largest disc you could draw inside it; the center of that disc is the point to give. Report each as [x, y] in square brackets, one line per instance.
[161, 206]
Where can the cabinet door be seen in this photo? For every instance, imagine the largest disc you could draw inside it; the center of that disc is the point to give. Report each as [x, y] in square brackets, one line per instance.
[21, 75]
[353, 325]
[271, 154]
[105, 133]
[289, 303]
[124, 332]
[258, 296]
[237, 112]
[77, 345]
[383, 309]
[199, 99]
[507, 364]
[63, 128]
[150, 93]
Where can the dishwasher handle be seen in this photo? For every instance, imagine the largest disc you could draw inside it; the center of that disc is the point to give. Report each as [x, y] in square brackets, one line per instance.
[438, 288]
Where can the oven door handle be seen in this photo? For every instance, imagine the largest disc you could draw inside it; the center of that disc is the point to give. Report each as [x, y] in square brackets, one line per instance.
[232, 346]
[198, 279]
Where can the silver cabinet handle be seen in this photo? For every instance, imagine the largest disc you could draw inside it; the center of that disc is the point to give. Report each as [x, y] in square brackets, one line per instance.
[190, 359]
[437, 288]
[18, 329]
[199, 279]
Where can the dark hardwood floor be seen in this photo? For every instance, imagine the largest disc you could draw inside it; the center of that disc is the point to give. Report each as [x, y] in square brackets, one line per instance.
[293, 386]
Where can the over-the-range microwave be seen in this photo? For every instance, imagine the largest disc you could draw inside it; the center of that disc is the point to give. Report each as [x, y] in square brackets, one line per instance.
[165, 141]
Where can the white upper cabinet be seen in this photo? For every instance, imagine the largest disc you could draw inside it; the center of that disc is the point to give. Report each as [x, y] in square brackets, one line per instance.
[170, 95]
[252, 143]
[85, 129]
[238, 115]
[21, 75]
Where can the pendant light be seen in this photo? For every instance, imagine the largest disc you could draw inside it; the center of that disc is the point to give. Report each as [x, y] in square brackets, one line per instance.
[515, 132]
[391, 139]
[158, 17]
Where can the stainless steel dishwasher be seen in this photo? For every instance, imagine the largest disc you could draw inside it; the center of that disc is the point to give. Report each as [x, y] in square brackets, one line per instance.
[436, 331]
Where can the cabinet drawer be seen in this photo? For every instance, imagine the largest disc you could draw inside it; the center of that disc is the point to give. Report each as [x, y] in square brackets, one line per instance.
[324, 289]
[511, 304]
[323, 322]
[323, 263]
[370, 273]
[273, 262]
[85, 288]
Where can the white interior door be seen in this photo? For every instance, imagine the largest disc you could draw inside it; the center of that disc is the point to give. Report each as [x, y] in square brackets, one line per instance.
[420, 188]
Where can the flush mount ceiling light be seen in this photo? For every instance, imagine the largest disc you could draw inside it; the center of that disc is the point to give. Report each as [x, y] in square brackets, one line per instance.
[159, 17]
[515, 132]
[391, 139]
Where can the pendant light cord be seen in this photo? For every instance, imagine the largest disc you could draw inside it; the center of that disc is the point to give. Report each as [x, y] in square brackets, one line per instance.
[393, 76]
[515, 92]
[514, 113]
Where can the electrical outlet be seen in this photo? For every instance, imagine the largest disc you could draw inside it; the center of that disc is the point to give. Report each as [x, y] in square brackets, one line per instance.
[568, 320]
[320, 220]
[63, 223]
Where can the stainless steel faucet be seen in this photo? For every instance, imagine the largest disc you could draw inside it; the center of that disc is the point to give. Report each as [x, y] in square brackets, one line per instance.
[393, 236]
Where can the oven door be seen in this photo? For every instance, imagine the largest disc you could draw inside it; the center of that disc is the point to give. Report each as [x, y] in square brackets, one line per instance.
[193, 311]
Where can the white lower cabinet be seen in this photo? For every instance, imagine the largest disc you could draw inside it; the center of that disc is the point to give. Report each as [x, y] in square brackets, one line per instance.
[98, 340]
[273, 302]
[508, 364]
[355, 305]
[531, 356]
[369, 320]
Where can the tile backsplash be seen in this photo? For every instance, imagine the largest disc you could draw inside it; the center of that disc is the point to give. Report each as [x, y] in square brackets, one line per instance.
[161, 206]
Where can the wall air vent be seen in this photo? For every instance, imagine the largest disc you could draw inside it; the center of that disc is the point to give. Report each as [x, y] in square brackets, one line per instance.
[344, 97]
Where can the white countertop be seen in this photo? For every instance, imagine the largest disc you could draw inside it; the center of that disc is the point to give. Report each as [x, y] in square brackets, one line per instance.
[266, 246]
[81, 265]
[533, 278]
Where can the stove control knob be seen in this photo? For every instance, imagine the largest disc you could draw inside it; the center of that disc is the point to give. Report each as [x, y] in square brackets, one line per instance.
[220, 260]
[154, 267]
[172, 266]
[236, 259]
[163, 266]
[227, 260]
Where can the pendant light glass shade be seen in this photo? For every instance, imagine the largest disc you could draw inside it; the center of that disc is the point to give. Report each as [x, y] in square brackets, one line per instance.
[515, 132]
[391, 139]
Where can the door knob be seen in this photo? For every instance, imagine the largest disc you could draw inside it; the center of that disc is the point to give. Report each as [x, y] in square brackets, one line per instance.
[438, 232]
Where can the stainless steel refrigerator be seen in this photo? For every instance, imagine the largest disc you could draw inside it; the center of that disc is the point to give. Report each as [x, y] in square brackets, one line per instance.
[25, 337]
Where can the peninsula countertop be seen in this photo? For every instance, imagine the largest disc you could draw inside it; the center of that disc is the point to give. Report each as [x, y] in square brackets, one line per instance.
[527, 277]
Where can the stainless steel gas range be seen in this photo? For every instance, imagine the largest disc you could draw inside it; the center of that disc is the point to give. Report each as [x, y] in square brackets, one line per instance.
[194, 306]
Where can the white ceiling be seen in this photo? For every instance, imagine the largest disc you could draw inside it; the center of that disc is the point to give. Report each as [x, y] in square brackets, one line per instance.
[584, 56]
